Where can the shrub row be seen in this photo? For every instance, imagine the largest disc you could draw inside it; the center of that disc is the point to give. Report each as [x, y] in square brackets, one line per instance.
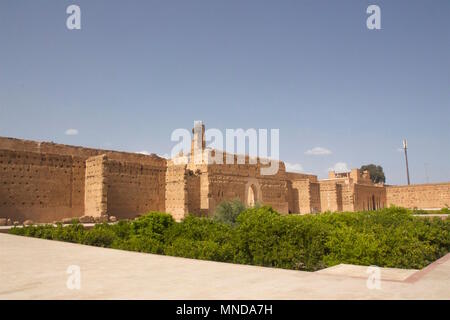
[260, 236]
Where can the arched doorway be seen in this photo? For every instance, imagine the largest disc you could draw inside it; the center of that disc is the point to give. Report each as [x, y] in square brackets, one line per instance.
[251, 196]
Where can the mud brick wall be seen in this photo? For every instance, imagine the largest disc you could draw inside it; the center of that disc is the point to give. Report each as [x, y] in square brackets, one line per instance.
[300, 176]
[274, 193]
[176, 197]
[45, 181]
[78, 184]
[369, 197]
[330, 196]
[292, 196]
[314, 190]
[95, 187]
[339, 197]
[225, 187]
[206, 205]
[82, 152]
[347, 192]
[134, 188]
[421, 196]
[228, 182]
[40, 187]
[305, 197]
[303, 193]
[299, 198]
[199, 194]
[193, 181]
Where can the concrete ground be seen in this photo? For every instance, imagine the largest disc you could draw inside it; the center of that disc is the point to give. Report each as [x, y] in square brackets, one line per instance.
[37, 269]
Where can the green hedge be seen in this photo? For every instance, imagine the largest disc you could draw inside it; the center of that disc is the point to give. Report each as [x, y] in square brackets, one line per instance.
[260, 236]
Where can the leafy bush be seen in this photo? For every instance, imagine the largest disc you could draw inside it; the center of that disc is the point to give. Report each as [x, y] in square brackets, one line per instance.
[390, 238]
[69, 233]
[200, 238]
[203, 249]
[153, 224]
[145, 234]
[265, 238]
[260, 236]
[140, 244]
[101, 236]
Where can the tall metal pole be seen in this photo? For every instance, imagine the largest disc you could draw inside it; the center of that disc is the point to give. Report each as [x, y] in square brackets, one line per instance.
[405, 147]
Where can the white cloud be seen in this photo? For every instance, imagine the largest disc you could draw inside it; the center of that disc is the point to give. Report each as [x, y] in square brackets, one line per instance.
[71, 132]
[147, 153]
[294, 167]
[339, 167]
[318, 151]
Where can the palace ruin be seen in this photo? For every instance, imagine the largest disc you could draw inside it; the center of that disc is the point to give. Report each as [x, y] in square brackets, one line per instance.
[47, 182]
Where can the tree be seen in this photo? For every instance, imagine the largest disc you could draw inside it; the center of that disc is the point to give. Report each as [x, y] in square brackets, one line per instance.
[228, 211]
[376, 173]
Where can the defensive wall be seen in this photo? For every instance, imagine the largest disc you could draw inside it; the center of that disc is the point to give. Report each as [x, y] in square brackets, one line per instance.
[45, 182]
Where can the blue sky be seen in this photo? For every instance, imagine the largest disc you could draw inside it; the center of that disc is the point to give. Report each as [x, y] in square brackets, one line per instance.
[137, 70]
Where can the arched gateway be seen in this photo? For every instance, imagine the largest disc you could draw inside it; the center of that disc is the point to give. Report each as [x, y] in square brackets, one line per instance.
[251, 196]
[252, 193]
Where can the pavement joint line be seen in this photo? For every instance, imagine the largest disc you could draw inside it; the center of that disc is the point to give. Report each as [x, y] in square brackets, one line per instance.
[424, 271]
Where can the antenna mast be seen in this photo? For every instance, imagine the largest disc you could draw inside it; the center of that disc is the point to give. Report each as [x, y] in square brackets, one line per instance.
[405, 147]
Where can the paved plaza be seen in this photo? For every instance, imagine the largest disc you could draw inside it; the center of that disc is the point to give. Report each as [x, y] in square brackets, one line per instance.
[37, 269]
